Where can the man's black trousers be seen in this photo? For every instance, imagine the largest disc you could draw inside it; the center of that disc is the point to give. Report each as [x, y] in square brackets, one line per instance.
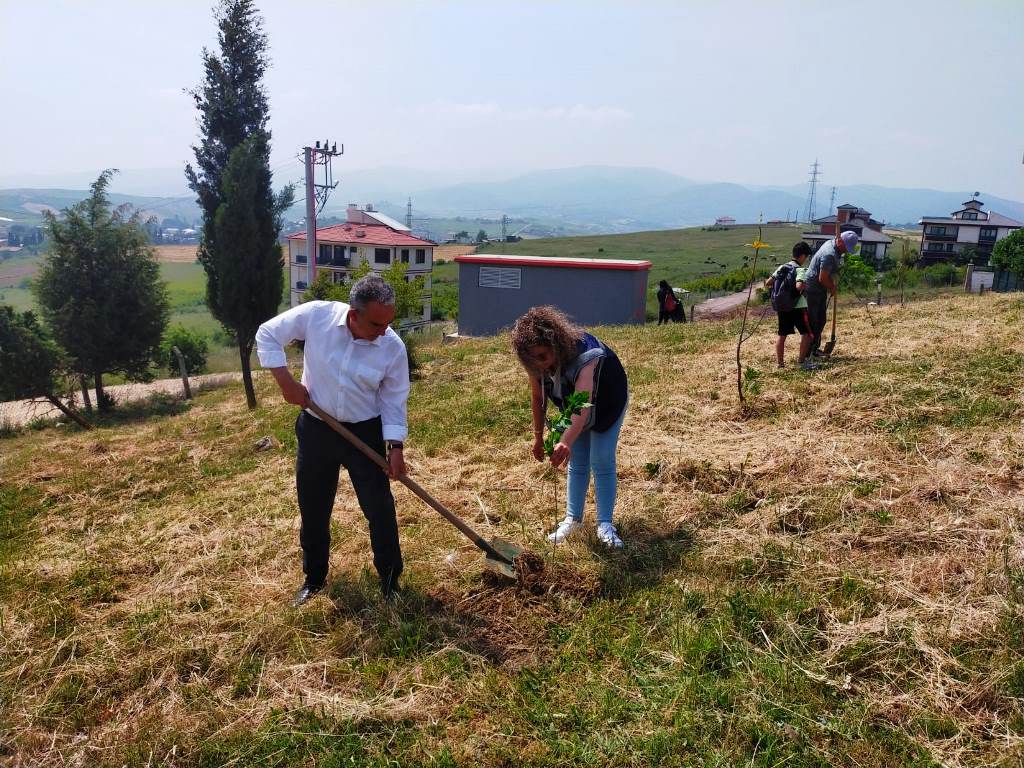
[321, 454]
[817, 312]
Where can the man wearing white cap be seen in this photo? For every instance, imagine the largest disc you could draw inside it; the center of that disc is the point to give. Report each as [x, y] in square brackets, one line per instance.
[820, 282]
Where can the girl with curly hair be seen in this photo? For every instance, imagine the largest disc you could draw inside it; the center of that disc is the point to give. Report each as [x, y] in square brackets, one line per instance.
[560, 359]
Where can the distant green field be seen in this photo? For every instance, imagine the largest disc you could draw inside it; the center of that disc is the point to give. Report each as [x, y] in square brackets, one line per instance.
[186, 286]
[676, 255]
[19, 298]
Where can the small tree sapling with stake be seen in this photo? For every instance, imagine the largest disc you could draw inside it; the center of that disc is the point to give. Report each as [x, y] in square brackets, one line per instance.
[757, 245]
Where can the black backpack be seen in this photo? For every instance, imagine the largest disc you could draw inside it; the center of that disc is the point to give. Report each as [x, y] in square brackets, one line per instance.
[784, 294]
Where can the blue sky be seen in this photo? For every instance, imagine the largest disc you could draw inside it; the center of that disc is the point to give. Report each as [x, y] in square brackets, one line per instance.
[894, 93]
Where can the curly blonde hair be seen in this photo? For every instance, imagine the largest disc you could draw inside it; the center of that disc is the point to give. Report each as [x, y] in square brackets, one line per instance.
[549, 327]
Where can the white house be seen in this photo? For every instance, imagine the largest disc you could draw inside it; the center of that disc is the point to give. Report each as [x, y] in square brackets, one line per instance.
[943, 237]
[366, 236]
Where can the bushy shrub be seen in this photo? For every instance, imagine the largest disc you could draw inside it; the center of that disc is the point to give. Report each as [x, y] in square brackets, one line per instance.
[193, 347]
[856, 274]
[444, 303]
[1008, 253]
[735, 280]
[943, 274]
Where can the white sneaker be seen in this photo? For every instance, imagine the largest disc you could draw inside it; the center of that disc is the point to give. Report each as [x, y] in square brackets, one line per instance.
[565, 529]
[608, 536]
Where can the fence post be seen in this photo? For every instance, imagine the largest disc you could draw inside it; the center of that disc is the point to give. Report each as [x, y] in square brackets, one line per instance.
[184, 373]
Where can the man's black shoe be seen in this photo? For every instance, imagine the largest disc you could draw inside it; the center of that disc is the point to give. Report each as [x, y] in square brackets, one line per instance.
[392, 591]
[306, 591]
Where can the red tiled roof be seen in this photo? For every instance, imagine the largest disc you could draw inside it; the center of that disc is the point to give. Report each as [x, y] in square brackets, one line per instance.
[372, 234]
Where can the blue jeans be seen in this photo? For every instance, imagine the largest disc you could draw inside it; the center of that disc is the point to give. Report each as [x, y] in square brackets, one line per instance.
[594, 451]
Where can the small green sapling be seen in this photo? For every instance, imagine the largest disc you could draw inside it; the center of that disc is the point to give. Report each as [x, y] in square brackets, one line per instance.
[574, 404]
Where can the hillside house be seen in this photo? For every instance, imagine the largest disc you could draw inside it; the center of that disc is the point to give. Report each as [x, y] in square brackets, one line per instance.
[970, 228]
[851, 218]
[366, 236]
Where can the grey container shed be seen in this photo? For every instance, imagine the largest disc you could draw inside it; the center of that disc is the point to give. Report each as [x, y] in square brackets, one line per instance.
[495, 290]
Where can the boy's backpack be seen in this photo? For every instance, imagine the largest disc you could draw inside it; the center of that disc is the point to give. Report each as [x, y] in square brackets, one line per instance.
[670, 301]
[784, 294]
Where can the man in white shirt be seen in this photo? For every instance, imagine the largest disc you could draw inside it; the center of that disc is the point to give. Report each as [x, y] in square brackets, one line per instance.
[355, 368]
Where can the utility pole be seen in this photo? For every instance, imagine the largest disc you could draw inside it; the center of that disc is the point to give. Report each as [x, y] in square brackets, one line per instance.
[408, 214]
[316, 194]
[504, 227]
[812, 203]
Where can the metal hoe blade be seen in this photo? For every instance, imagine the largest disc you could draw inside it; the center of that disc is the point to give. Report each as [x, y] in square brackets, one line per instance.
[509, 552]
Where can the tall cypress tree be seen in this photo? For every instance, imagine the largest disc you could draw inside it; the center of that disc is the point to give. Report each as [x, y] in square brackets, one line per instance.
[100, 291]
[233, 112]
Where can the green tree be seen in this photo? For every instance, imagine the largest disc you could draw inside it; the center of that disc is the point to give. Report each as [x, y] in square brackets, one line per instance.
[1008, 253]
[481, 235]
[904, 264]
[193, 347]
[232, 180]
[248, 261]
[856, 274]
[408, 293]
[100, 291]
[968, 254]
[31, 364]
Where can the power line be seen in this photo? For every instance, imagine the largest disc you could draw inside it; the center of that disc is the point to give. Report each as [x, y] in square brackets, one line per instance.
[812, 203]
[317, 193]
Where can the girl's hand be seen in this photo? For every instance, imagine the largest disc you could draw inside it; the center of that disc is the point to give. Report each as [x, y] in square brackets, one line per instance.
[538, 448]
[560, 455]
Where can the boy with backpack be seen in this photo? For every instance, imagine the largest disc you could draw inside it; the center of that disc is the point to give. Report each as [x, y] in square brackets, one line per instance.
[786, 288]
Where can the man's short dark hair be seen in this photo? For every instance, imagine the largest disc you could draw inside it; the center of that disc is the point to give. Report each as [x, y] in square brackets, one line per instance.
[801, 249]
[371, 287]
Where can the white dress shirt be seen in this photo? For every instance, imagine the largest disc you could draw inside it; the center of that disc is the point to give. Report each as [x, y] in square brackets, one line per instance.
[352, 379]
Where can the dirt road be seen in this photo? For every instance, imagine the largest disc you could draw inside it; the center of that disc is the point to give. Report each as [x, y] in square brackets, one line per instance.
[722, 307]
[21, 412]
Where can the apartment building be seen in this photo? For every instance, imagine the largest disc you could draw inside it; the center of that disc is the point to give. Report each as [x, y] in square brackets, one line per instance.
[366, 236]
[971, 229]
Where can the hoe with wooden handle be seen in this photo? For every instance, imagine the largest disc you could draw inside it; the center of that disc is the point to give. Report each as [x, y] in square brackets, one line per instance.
[831, 343]
[501, 554]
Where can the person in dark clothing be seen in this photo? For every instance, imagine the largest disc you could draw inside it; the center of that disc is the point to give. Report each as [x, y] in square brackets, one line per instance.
[663, 291]
[669, 305]
[561, 359]
[822, 273]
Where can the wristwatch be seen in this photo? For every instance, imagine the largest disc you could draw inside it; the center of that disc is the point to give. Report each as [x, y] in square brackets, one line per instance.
[392, 444]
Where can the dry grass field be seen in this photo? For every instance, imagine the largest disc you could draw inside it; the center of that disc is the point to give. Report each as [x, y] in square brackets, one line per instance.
[832, 576]
[178, 253]
[449, 252]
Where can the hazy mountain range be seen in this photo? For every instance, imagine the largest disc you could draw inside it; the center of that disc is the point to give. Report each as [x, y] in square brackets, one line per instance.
[583, 199]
